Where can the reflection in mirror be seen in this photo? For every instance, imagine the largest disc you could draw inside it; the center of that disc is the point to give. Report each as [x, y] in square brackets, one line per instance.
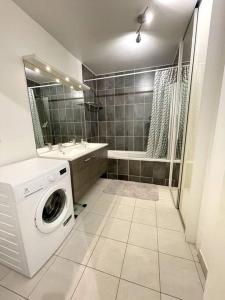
[58, 112]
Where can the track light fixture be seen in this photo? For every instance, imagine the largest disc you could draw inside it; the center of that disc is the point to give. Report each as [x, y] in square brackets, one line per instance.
[142, 19]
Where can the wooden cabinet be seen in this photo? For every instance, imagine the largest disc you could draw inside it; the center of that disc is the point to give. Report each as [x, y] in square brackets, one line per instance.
[86, 170]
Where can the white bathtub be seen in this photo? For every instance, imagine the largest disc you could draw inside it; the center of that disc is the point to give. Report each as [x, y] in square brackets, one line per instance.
[133, 155]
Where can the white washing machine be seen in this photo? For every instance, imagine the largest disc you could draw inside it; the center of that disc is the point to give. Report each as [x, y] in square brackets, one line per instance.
[36, 212]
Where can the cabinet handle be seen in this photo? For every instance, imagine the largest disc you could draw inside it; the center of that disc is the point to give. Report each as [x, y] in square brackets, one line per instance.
[87, 159]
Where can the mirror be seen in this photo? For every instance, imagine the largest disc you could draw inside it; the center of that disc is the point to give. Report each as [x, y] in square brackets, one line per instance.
[58, 112]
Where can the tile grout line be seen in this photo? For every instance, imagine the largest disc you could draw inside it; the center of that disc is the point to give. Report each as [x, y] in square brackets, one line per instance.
[125, 251]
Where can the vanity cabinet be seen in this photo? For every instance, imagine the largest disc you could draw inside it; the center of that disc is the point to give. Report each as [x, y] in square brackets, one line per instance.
[86, 170]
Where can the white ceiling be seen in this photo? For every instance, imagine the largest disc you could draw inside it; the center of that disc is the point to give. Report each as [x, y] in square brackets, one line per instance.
[101, 33]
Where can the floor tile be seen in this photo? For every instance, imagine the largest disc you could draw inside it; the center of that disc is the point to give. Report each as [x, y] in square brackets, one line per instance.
[169, 221]
[123, 212]
[143, 236]
[79, 247]
[95, 285]
[141, 266]
[166, 297]
[144, 216]
[173, 242]
[102, 207]
[7, 295]
[125, 200]
[59, 282]
[108, 256]
[3, 271]
[166, 206]
[92, 223]
[131, 291]
[116, 229]
[145, 203]
[23, 285]
[201, 274]
[179, 278]
[164, 193]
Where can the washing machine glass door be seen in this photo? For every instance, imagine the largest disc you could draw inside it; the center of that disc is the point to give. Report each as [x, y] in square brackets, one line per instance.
[51, 211]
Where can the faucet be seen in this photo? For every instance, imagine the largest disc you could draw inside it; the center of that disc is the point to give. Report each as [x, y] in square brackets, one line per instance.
[73, 141]
[60, 147]
[49, 146]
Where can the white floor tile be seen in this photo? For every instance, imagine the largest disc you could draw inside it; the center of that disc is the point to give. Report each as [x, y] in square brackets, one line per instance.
[3, 271]
[123, 212]
[92, 223]
[102, 207]
[173, 242]
[179, 278]
[144, 216]
[166, 297]
[141, 267]
[116, 229]
[125, 200]
[108, 256]
[7, 295]
[79, 247]
[59, 282]
[143, 236]
[131, 291]
[23, 285]
[145, 203]
[169, 221]
[95, 285]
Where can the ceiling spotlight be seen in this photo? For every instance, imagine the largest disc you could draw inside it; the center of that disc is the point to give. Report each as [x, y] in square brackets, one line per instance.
[142, 19]
[67, 79]
[37, 70]
[138, 39]
[71, 87]
[79, 86]
[57, 80]
[48, 69]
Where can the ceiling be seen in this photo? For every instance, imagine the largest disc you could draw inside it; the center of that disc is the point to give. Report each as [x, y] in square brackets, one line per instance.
[101, 33]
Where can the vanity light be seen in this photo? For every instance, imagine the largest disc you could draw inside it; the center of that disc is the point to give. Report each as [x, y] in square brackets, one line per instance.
[67, 79]
[48, 69]
[37, 70]
[57, 80]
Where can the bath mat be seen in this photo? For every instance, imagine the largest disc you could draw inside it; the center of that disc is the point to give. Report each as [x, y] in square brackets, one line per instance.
[139, 190]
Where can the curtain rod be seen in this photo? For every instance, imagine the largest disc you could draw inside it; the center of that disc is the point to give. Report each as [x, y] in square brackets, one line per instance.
[133, 73]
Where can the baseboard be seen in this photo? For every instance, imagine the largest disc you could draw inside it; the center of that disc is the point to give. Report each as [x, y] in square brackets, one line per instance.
[202, 263]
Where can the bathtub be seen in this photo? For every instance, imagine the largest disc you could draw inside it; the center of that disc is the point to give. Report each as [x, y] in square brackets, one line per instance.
[135, 166]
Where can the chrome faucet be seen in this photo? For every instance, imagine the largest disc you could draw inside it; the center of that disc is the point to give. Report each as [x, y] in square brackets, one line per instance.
[73, 141]
[49, 146]
[60, 147]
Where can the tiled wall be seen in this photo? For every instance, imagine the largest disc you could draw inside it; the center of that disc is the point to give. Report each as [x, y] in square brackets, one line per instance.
[91, 111]
[142, 171]
[124, 118]
[64, 115]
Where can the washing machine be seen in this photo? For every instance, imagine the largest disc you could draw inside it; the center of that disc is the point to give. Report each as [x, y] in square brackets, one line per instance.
[36, 212]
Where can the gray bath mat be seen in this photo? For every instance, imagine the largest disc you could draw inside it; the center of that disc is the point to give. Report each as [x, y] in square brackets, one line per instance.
[139, 190]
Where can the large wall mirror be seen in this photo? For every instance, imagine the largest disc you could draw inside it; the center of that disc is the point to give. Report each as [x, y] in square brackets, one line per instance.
[58, 111]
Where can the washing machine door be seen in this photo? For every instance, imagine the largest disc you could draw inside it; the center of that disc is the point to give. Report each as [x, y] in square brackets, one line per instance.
[52, 210]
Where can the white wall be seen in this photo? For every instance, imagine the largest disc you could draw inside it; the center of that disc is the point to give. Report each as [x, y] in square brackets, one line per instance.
[207, 80]
[204, 19]
[213, 220]
[19, 36]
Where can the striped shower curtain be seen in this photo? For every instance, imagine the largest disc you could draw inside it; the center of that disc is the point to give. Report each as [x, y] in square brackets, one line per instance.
[36, 121]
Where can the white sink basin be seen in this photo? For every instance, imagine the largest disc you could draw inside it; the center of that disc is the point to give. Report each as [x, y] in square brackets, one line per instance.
[70, 151]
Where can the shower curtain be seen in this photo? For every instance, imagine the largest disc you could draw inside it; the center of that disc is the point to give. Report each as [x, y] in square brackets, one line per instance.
[164, 87]
[36, 122]
[183, 108]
